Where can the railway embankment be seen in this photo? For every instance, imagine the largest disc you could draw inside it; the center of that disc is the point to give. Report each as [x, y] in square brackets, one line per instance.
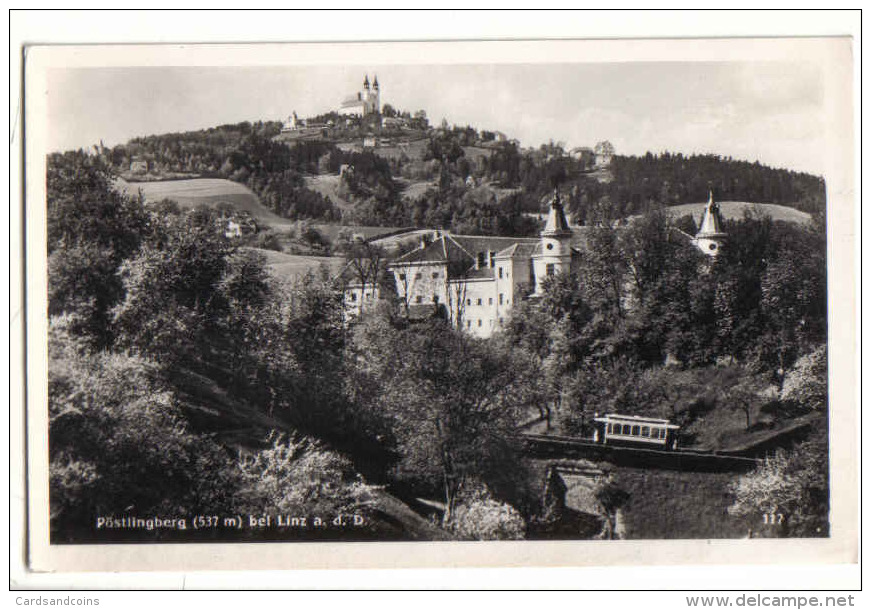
[549, 446]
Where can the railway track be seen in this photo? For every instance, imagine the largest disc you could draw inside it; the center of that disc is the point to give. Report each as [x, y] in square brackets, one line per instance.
[559, 446]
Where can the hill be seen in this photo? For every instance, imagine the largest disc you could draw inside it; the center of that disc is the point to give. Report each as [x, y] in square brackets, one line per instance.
[207, 191]
[328, 186]
[734, 210]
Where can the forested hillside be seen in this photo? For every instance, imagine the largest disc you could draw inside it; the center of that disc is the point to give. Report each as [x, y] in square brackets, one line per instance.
[486, 192]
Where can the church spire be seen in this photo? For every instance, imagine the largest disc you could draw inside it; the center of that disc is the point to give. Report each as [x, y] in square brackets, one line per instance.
[366, 83]
[556, 225]
[375, 83]
[711, 235]
[712, 222]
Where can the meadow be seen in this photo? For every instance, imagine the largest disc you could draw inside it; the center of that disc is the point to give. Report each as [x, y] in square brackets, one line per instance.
[208, 191]
[734, 210]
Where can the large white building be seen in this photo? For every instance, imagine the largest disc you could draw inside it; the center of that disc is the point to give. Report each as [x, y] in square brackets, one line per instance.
[363, 103]
[475, 280]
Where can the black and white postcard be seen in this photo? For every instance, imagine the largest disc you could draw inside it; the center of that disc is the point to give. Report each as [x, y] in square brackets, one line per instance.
[431, 304]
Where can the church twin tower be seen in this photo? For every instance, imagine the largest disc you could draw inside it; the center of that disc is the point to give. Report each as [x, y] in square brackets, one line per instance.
[367, 101]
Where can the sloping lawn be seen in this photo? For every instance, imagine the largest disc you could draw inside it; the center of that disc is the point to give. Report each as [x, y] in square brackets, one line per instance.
[673, 504]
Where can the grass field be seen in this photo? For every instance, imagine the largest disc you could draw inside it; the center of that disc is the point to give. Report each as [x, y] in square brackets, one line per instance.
[734, 210]
[291, 266]
[210, 192]
[328, 186]
[413, 190]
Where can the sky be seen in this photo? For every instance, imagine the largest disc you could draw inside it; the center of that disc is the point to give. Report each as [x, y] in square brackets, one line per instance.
[771, 112]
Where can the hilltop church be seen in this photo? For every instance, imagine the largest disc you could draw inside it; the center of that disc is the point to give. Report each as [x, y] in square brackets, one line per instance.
[363, 103]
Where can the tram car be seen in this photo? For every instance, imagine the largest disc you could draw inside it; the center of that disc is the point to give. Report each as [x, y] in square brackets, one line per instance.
[648, 432]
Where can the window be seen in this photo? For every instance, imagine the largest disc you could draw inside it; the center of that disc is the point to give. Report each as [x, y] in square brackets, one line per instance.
[418, 299]
[550, 269]
[492, 259]
[479, 321]
[501, 298]
[610, 428]
[468, 324]
[501, 321]
[636, 430]
[368, 295]
[550, 246]
[435, 275]
[468, 302]
[401, 277]
[480, 302]
[655, 433]
[500, 273]
[627, 430]
[417, 276]
[645, 431]
[353, 296]
[435, 298]
[490, 301]
[481, 259]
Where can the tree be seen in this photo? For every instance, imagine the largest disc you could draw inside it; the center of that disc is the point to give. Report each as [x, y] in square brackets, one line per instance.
[806, 383]
[118, 443]
[296, 476]
[366, 263]
[478, 516]
[788, 492]
[743, 397]
[450, 401]
[171, 290]
[91, 229]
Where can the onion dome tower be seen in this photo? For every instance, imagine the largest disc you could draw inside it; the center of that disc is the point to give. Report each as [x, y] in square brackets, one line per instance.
[711, 236]
[554, 254]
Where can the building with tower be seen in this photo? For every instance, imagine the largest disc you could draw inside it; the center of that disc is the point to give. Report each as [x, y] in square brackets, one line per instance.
[474, 281]
[555, 253]
[710, 236]
[365, 102]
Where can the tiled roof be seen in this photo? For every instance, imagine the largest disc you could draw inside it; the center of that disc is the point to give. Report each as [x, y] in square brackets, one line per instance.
[484, 273]
[352, 101]
[433, 252]
[519, 250]
[484, 243]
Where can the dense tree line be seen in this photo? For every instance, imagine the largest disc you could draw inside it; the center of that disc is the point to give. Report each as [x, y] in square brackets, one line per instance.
[636, 184]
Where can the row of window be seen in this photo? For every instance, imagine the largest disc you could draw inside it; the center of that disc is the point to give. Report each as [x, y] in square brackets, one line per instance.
[417, 276]
[354, 296]
[489, 301]
[435, 275]
[642, 431]
[481, 323]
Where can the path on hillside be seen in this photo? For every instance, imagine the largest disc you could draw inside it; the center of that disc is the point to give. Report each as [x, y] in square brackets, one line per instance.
[328, 186]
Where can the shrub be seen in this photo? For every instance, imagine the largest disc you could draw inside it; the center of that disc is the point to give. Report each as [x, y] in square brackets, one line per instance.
[478, 516]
